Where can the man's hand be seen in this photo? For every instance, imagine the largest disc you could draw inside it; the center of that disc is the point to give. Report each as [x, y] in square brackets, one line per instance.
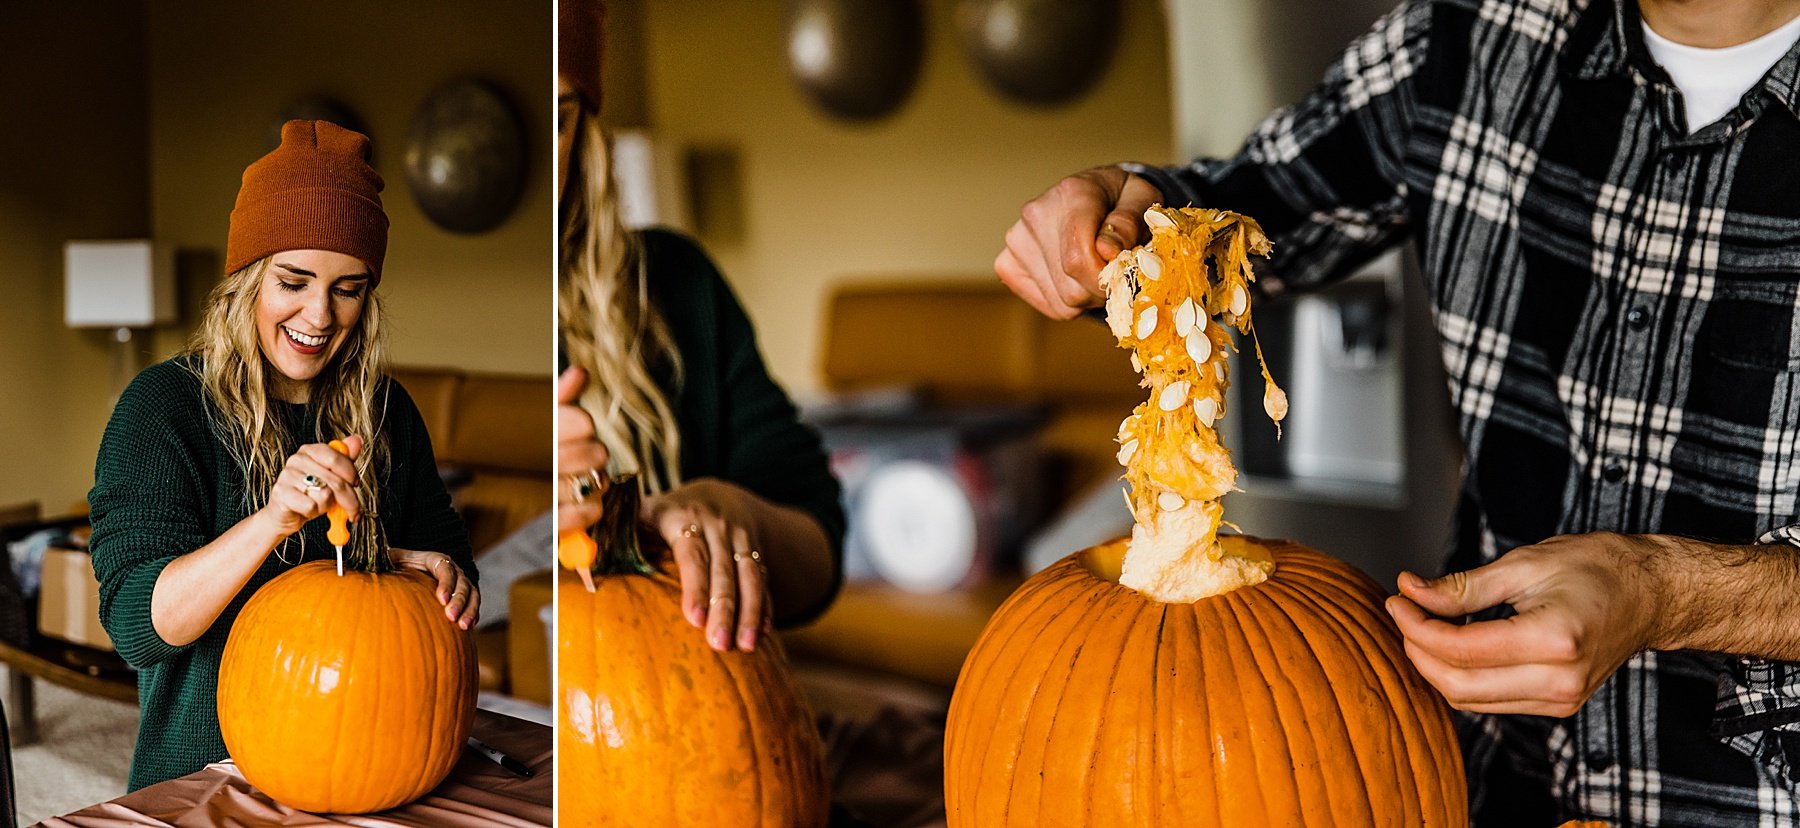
[1585, 604]
[1055, 251]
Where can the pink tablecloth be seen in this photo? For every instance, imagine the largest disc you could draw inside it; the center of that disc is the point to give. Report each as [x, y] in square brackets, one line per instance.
[477, 793]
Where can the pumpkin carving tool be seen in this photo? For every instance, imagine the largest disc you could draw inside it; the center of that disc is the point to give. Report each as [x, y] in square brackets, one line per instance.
[339, 533]
[579, 550]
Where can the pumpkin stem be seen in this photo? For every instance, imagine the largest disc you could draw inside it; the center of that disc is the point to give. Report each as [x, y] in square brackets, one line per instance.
[617, 531]
[368, 547]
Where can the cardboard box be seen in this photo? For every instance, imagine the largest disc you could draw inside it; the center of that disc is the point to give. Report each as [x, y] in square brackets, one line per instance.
[69, 599]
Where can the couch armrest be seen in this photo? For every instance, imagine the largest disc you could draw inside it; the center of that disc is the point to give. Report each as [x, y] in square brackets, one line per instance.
[528, 640]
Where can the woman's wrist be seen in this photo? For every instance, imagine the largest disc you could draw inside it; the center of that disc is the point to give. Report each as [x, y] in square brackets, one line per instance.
[267, 527]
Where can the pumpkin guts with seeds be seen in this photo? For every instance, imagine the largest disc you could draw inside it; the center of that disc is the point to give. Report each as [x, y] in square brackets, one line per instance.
[1161, 300]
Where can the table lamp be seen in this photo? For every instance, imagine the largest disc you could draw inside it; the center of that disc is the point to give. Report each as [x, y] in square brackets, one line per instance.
[126, 285]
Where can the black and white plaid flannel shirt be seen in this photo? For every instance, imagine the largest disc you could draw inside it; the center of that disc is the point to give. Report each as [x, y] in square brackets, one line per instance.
[1618, 307]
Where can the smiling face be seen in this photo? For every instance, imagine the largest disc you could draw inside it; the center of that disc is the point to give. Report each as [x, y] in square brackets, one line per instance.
[307, 308]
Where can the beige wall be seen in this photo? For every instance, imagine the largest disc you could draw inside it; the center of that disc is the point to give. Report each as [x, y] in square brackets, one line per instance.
[929, 190]
[72, 166]
[222, 70]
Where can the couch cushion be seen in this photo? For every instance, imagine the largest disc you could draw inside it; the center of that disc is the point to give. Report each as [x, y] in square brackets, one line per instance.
[528, 639]
[490, 659]
[969, 341]
[493, 504]
[504, 422]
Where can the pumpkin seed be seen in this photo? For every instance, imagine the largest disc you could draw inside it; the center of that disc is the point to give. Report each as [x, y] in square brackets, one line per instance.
[1275, 402]
[1184, 317]
[1149, 264]
[1207, 409]
[1146, 323]
[1174, 395]
[1199, 345]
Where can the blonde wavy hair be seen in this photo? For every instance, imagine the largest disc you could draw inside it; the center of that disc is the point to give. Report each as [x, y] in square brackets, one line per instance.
[610, 328]
[236, 377]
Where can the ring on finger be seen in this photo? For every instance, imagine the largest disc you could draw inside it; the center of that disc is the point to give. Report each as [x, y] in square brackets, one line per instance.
[585, 484]
[310, 483]
[691, 530]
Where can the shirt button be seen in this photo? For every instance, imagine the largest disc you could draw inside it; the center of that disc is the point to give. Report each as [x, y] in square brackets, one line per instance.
[1675, 160]
[1638, 318]
[1614, 472]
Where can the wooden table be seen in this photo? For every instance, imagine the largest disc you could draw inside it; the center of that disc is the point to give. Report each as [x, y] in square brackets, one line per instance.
[478, 792]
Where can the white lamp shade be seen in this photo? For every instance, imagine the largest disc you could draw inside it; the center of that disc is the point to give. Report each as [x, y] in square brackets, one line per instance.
[650, 183]
[118, 284]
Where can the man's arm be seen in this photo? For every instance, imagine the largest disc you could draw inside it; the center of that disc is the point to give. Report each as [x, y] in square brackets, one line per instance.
[1324, 178]
[1585, 604]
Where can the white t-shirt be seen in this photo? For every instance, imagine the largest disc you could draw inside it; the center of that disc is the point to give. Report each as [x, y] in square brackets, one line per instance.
[1712, 81]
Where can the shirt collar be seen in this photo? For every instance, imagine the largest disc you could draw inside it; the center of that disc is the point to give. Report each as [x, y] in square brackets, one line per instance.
[1598, 45]
[1608, 39]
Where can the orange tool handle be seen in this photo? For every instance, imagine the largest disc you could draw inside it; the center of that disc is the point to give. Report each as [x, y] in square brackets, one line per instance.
[339, 534]
[575, 550]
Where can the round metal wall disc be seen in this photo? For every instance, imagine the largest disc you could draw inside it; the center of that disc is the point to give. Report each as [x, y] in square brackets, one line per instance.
[465, 157]
[857, 59]
[1040, 51]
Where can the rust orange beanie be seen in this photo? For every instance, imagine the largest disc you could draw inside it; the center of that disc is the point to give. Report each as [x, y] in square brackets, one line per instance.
[580, 44]
[314, 192]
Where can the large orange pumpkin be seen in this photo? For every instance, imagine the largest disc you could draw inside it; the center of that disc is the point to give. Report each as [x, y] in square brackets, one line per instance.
[1288, 702]
[656, 728]
[346, 694]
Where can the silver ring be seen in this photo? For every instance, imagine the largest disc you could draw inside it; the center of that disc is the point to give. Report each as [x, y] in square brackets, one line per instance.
[691, 530]
[585, 484]
[310, 484]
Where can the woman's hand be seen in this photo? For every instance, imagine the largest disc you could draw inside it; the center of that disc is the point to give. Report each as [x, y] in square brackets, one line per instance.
[457, 591]
[315, 478]
[710, 525]
[580, 456]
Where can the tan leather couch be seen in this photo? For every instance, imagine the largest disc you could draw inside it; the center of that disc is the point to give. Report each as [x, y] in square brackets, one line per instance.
[963, 341]
[497, 429]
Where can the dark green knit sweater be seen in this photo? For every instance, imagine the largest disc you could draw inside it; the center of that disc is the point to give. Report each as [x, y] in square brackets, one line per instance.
[736, 423]
[165, 485]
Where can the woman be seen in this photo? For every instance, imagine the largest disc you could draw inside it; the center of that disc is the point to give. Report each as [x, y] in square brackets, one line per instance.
[214, 467]
[666, 382]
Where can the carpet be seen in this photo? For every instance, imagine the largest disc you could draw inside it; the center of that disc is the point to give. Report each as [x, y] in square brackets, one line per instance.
[82, 754]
